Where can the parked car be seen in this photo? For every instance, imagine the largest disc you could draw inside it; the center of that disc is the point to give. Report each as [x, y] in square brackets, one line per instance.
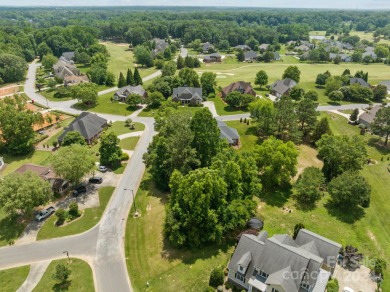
[102, 168]
[79, 190]
[42, 132]
[96, 180]
[45, 213]
[347, 289]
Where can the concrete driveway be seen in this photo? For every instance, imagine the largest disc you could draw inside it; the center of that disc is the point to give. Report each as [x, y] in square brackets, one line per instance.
[358, 280]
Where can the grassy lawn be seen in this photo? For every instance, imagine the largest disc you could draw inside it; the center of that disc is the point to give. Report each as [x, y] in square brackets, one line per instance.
[80, 278]
[12, 279]
[151, 259]
[120, 169]
[120, 128]
[317, 32]
[49, 94]
[106, 106]
[129, 143]
[151, 112]
[14, 162]
[247, 134]
[90, 218]
[121, 58]
[63, 124]
[368, 36]
[224, 109]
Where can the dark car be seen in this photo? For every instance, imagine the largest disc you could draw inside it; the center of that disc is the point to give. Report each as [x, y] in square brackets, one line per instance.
[96, 180]
[45, 213]
[79, 190]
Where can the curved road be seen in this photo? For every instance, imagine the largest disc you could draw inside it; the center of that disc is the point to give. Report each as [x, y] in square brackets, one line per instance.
[103, 245]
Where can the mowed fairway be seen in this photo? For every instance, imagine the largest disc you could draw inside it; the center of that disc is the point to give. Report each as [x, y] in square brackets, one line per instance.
[121, 59]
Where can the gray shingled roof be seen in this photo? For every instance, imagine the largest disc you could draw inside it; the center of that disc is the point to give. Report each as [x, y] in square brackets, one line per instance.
[359, 81]
[87, 124]
[250, 55]
[282, 86]
[245, 260]
[370, 115]
[68, 55]
[227, 133]
[386, 83]
[127, 90]
[187, 93]
[283, 278]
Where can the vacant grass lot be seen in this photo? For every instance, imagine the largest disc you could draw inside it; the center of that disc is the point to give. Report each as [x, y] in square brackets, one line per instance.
[80, 279]
[49, 94]
[151, 259]
[368, 36]
[151, 112]
[129, 143]
[120, 128]
[106, 106]
[12, 279]
[223, 108]
[121, 58]
[90, 218]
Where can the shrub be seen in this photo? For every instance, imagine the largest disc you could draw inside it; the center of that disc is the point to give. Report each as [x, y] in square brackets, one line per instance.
[39, 138]
[125, 156]
[128, 122]
[61, 274]
[216, 277]
[379, 265]
[73, 210]
[333, 286]
[209, 289]
[55, 144]
[61, 215]
[211, 95]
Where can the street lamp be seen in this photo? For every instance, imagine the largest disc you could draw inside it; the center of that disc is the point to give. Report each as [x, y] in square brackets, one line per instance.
[67, 254]
[135, 209]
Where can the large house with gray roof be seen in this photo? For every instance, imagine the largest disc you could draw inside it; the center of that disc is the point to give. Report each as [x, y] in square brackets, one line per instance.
[368, 117]
[88, 125]
[122, 93]
[187, 95]
[282, 87]
[229, 134]
[360, 81]
[281, 264]
[239, 86]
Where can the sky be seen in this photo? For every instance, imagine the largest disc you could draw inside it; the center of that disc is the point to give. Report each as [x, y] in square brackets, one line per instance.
[333, 4]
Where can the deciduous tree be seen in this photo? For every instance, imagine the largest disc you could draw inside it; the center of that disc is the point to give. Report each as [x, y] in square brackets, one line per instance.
[110, 152]
[261, 78]
[190, 77]
[73, 137]
[379, 92]
[263, 114]
[208, 82]
[308, 188]
[381, 124]
[307, 115]
[48, 61]
[143, 56]
[133, 99]
[87, 93]
[292, 72]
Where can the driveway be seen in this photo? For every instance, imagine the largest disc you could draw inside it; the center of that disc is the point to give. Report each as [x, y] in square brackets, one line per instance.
[356, 279]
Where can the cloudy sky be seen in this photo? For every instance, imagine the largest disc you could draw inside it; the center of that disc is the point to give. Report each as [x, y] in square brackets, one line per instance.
[350, 4]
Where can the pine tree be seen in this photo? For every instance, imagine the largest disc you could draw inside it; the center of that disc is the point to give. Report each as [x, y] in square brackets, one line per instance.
[129, 78]
[180, 62]
[121, 80]
[137, 77]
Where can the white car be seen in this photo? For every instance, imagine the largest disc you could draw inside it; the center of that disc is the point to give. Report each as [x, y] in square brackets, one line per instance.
[45, 213]
[347, 289]
[102, 168]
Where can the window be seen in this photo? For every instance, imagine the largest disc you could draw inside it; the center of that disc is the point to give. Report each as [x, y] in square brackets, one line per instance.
[305, 286]
[274, 290]
[240, 277]
[263, 274]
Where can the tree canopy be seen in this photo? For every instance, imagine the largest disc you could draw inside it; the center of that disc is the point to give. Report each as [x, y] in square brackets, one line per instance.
[73, 137]
[110, 152]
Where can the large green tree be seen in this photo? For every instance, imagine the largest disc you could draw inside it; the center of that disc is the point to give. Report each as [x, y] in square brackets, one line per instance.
[321, 128]
[261, 78]
[134, 99]
[263, 114]
[307, 115]
[12, 68]
[292, 72]
[169, 69]
[341, 153]
[129, 78]
[379, 92]
[87, 93]
[16, 126]
[73, 162]
[195, 207]
[308, 188]
[143, 56]
[206, 136]
[137, 77]
[73, 137]
[190, 77]
[276, 161]
[381, 124]
[349, 190]
[48, 61]
[121, 80]
[110, 152]
[286, 120]
[21, 193]
[208, 82]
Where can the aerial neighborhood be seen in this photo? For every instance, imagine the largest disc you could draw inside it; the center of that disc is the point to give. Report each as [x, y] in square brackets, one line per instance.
[194, 149]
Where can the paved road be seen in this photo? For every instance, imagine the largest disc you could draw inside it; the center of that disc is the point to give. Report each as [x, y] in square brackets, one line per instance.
[183, 52]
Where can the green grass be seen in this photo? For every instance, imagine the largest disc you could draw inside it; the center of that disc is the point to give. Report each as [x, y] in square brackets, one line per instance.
[248, 138]
[151, 112]
[120, 169]
[129, 143]
[80, 278]
[54, 137]
[317, 32]
[339, 125]
[119, 128]
[368, 36]
[12, 279]
[90, 218]
[223, 108]
[49, 94]
[121, 58]
[14, 162]
[106, 106]
[151, 259]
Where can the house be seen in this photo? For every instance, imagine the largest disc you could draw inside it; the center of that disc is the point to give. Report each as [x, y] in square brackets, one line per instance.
[242, 47]
[250, 56]
[68, 55]
[70, 80]
[344, 57]
[279, 263]
[369, 49]
[387, 84]
[187, 95]
[122, 93]
[277, 56]
[371, 54]
[207, 47]
[229, 134]
[282, 87]
[368, 117]
[359, 81]
[303, 48]
[58, 185]
[64, 67]
[88, 125]
[160, 46]
[290, 43]
[240, 86]
[263, 47]
[212, 58]
[347, 46]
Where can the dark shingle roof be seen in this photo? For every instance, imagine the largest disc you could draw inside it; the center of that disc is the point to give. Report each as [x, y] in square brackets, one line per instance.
[250, 55]
[240, 86]
[370, 115]
[282, 86]
[228, 133]
[127, 90]
[359, 81]
[187, 93]
[68, 55]
[87, 124]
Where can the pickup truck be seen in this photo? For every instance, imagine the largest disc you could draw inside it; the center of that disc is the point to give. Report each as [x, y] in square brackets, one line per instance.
[45, 213]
